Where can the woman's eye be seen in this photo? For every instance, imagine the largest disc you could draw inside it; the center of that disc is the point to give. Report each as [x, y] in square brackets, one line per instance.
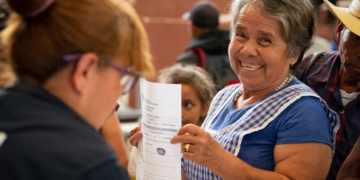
[188, 105]
[239, 36]
[265, 41]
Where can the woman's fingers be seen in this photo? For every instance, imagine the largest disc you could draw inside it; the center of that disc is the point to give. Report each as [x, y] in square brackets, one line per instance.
[189, 156]
[135, 130]
[193, 156]
[190, 129]
[191, 148]
[136, 135]
[136, 138]
[184, 148]
[185, 139]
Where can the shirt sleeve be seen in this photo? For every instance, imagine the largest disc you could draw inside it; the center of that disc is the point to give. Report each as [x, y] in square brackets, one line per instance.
[109, 171]
[305, 121]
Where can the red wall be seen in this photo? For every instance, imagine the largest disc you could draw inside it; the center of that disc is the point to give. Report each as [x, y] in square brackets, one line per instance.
[167, 32]
[168, 35]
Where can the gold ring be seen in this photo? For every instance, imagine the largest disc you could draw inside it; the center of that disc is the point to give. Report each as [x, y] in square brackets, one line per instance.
[187, 146]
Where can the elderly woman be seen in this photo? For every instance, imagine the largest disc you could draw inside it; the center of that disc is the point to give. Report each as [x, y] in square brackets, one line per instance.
[72, 59]
[271, 126]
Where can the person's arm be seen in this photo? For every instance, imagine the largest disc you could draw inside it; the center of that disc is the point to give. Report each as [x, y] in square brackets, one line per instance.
[351, 167]
[114, 136]
[292, 161]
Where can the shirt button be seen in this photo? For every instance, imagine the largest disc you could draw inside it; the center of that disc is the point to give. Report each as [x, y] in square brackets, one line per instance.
[342, 111]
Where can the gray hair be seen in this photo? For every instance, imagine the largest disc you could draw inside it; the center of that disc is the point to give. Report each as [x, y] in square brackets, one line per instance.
[191, 75]
[297, 18]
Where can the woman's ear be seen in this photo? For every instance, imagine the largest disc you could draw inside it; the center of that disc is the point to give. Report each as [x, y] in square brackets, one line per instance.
[293, 60]
[84, 70]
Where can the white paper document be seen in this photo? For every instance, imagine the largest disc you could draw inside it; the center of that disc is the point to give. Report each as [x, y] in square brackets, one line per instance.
[161, 120]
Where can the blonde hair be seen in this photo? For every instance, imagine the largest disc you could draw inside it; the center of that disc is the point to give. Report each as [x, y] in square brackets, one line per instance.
[35, 46]
[194, 76]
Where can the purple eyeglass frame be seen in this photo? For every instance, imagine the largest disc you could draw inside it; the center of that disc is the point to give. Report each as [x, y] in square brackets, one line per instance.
[124, 71]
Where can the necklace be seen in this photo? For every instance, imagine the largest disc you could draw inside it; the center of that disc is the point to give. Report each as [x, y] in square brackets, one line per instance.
[287, 80]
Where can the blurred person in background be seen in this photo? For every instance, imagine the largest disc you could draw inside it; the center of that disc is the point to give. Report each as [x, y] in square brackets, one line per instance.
[209, 45]
[197, 91]
[271, 126]
[335, 76]
[72, 60]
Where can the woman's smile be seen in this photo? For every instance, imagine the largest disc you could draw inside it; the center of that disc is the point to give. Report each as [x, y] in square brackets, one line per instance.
[250, 67]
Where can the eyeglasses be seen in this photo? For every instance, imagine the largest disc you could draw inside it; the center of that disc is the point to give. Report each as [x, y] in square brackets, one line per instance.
[127, 82]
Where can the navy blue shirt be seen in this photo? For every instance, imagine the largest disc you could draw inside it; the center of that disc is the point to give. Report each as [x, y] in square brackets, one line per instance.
[48, 140]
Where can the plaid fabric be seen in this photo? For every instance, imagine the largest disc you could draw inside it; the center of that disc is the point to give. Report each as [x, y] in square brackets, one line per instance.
[323, 78]
[253, 120]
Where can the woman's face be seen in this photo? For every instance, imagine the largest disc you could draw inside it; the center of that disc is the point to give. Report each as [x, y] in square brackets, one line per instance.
[106, 91]
[258, 52]
[192, 108]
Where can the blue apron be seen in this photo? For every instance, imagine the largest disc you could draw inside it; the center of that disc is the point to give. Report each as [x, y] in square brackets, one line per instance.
[255, 119]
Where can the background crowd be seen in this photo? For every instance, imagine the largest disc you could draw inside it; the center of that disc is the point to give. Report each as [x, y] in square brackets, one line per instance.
[287, 93]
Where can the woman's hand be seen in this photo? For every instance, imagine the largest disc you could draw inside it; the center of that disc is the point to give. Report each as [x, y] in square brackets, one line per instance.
[136, 135]
[113, 135]
[203, 149]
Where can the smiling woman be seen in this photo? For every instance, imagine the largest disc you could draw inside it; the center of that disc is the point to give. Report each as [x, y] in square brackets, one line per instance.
[258, 51]
[271, 126]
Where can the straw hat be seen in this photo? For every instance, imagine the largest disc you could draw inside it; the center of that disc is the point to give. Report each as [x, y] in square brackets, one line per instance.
[350, 17]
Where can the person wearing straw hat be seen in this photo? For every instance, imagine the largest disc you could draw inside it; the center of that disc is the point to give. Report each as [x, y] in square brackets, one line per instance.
[335, 76]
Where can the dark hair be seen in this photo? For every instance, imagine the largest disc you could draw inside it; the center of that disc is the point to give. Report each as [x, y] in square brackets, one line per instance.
[204, 14]
[36, 42]
[297, 18]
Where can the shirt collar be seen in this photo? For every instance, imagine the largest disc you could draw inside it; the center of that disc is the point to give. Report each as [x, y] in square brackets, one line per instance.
[333, 76]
